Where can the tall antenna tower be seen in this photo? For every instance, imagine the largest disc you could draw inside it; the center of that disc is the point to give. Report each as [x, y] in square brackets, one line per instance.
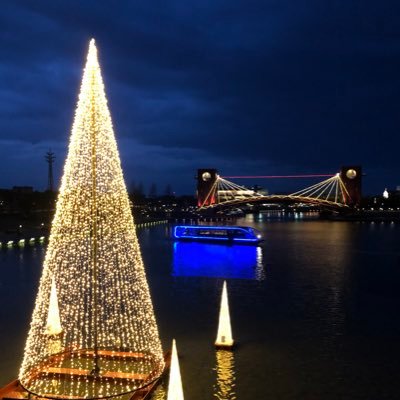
[50, 157]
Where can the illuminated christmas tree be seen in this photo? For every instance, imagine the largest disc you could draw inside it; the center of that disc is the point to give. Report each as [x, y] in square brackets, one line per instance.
[93, 332]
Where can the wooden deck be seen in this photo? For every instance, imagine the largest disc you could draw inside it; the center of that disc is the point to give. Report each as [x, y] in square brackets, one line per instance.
[114, 354]
[49, 367]
[13, 391]
[70, 373]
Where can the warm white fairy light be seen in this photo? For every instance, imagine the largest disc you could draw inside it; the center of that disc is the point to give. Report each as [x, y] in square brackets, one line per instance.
[175, 390]
[224, 336]
[94, 258]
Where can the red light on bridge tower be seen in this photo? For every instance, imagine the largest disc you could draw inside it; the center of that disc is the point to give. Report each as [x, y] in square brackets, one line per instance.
[351, 176]
[206, 179]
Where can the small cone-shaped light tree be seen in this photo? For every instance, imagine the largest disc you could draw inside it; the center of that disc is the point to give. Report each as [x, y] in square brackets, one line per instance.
[175, 390]
[224, 336]
[53, 326]
[93, 273]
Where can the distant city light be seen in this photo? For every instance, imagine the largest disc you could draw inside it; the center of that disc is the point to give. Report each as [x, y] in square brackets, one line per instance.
[385, 194]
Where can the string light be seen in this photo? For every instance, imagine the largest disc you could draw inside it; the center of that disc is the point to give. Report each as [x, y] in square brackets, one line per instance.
[93, 273]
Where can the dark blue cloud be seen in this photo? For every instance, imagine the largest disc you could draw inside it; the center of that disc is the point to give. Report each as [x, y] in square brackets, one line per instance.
[246, 86]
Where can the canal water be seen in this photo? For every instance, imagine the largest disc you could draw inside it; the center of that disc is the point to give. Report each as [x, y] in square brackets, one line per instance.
[314, 309]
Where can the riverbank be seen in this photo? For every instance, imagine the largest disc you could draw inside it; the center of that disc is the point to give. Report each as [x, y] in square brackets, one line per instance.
[364, 215]
[17, 230]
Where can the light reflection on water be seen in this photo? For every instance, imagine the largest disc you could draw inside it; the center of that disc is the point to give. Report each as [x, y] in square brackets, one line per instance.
[224, 389]
[218, 261]
[160, 393]
[322, 325]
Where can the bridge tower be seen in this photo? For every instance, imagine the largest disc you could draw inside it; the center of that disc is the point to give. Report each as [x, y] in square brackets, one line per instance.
[352, 179]
[206, 179]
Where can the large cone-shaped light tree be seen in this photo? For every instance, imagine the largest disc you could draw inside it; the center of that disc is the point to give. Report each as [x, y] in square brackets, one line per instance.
[104, 342]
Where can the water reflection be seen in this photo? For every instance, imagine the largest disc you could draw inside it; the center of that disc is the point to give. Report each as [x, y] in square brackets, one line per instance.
[215, 260]
[224, 389]
[160, 392]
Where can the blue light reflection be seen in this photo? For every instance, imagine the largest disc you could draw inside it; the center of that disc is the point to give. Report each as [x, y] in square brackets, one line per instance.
[217, 261]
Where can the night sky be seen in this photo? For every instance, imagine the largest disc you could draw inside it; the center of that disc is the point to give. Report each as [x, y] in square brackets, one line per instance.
[248, 87]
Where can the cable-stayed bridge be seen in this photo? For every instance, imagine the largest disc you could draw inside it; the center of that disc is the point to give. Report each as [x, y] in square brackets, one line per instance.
[337, 191]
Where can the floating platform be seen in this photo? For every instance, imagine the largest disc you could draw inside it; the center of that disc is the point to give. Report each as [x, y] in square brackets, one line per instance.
[222, 346]
[14, 390]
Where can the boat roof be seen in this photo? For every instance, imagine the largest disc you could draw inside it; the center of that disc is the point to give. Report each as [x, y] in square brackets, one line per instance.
[216, 226]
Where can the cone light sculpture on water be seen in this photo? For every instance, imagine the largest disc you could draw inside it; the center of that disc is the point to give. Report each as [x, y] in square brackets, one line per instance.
[224, 335]
[175, 390]
[93, 298]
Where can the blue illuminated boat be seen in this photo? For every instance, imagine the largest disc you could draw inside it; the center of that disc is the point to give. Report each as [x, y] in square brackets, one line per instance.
[221, 234]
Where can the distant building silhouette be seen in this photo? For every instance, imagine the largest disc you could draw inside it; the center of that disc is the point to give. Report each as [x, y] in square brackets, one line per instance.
[153, 191]
[22, 189]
